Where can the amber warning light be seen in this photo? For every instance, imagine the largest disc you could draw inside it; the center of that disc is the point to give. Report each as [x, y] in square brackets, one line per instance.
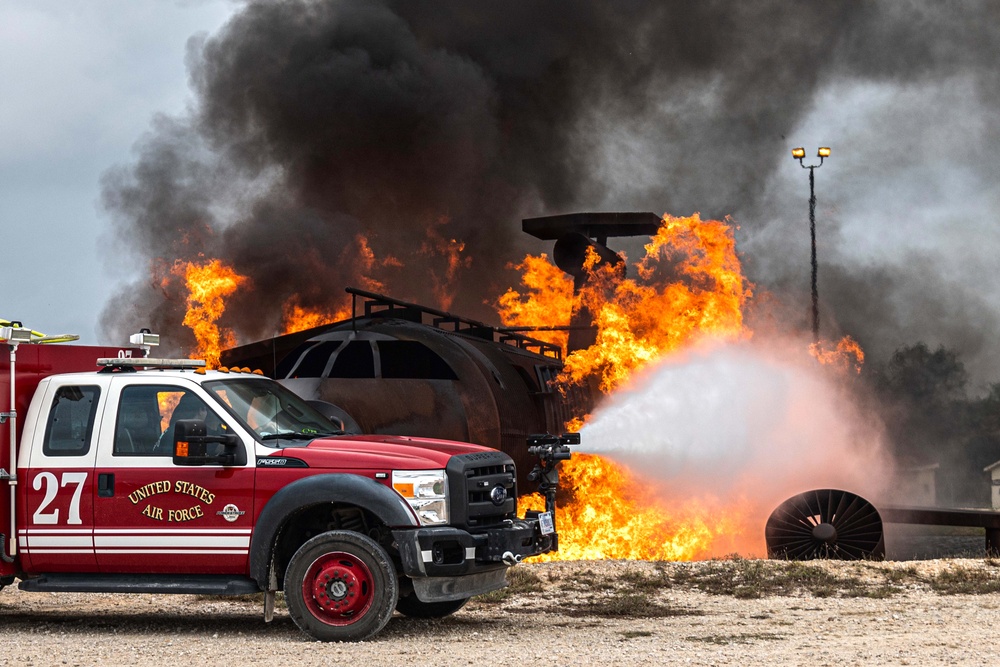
[404, 489]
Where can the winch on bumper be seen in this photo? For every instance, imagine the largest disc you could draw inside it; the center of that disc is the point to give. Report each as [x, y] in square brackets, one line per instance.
[471, 556]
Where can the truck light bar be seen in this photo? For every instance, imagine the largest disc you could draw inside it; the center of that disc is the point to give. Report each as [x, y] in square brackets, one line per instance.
[150, 362]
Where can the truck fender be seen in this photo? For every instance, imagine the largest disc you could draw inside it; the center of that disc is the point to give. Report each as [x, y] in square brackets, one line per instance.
[363, 492]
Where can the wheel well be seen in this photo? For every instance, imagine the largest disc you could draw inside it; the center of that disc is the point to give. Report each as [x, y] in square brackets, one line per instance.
[323, 517]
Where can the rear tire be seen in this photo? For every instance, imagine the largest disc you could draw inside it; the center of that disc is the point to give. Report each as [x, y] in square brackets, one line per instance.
[340, 586]
[414, 607]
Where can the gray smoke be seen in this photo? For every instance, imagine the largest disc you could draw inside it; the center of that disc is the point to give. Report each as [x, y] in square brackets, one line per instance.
[417, 123]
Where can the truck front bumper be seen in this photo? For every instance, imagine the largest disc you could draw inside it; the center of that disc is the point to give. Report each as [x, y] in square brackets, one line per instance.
[447, 563]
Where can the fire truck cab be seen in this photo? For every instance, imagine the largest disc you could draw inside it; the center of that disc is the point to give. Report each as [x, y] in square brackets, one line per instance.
[132, 474]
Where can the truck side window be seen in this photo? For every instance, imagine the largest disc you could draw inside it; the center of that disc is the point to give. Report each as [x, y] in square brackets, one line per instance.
[147, 414]
[189, 406]
[138, 429]
[71, 421]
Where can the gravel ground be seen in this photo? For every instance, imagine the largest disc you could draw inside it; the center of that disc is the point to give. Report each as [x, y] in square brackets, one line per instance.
[584, 613]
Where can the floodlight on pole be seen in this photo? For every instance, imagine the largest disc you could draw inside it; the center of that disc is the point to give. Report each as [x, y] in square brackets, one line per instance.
[800, 154]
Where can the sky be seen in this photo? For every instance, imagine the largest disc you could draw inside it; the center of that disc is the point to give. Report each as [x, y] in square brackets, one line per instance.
[82, 81]
[483, 114]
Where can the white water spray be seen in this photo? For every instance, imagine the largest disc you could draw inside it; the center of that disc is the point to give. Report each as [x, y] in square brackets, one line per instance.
[750, 424]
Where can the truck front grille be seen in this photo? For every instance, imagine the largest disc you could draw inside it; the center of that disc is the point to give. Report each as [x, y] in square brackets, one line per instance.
[472, 479]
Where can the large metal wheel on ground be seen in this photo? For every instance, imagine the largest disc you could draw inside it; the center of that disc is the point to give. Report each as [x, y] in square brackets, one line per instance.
[414, 607]
[825, 523]
[340, 586]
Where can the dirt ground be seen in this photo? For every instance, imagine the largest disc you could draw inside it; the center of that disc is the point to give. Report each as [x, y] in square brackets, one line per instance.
[738, 612]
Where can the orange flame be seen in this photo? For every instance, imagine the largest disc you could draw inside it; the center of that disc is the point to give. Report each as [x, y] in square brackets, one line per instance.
[208, 284]
[371, 264]
[298, 318]
[689, 287]
[847, 355]
[550, 299]
[439, 245]
[615, 515]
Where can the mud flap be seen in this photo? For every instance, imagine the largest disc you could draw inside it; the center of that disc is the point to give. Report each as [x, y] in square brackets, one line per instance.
[441, 589]
[269, 594]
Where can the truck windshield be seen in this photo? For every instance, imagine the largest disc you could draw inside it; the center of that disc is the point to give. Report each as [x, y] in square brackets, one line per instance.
[271, 411]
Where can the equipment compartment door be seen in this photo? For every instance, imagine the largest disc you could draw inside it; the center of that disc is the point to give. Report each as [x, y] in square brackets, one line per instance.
[153, 516]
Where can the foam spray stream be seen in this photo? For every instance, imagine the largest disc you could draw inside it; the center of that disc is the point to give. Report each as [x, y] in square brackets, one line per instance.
[707, 431]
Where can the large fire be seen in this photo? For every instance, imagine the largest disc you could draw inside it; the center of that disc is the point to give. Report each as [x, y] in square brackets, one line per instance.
[614, 515]
[688, 287]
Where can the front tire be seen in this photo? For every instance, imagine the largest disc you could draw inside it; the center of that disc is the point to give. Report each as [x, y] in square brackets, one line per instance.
[340, 586]
[414, 607]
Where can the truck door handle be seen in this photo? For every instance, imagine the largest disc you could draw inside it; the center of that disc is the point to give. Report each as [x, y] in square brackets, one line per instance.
[106, 485]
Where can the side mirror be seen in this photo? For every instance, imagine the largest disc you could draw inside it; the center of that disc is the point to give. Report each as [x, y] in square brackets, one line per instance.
[191, 445]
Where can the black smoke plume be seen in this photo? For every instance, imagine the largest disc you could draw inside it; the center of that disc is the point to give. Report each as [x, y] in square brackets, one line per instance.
[433, 128]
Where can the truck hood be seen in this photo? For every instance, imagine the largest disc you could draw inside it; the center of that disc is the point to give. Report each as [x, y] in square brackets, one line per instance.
[388, 452]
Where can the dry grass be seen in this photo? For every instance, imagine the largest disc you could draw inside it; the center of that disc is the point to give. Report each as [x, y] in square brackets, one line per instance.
[643, 590]
[520, 581]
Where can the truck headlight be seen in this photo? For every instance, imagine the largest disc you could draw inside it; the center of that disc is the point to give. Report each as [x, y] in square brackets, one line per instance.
[427, 493]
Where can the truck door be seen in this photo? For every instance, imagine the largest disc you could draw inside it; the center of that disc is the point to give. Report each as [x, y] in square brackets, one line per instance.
[57, 515]
[153, 516]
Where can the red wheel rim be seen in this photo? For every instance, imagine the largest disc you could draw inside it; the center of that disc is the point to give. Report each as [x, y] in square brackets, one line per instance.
[338, 588]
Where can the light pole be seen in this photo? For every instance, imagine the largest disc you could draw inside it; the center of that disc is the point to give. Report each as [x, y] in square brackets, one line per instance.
[799, 154]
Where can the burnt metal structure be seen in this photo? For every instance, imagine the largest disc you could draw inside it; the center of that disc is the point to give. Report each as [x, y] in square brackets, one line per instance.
[576, 234]
[831, 523]
[937, 516]
[404, 369]
[598, 226]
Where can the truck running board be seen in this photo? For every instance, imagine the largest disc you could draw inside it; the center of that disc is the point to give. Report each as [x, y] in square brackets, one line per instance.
[191, 584]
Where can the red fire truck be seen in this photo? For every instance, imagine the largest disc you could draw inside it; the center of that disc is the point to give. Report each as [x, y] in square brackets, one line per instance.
[138, 475]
